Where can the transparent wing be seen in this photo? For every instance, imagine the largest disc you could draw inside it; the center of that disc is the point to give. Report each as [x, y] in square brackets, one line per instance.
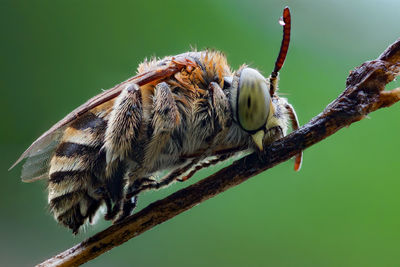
[37, 164]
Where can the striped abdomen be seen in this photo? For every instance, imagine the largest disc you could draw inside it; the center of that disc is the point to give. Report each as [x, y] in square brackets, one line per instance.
[76, 170]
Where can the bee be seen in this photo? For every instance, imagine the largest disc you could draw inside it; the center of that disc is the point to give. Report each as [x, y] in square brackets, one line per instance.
[178, 114]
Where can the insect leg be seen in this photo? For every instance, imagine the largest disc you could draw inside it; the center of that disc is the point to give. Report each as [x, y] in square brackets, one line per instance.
[164, 182]
[204, 164]
[123, 126]
[128, 206]
[144, 184]
[165, 119]
[221, 106]
[102, 193]
[176, 174]
[221, 115]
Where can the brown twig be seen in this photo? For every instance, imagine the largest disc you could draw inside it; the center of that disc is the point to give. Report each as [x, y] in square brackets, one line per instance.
[364, 94]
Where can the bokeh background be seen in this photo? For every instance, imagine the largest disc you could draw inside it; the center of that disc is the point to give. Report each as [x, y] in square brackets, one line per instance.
[341, 209]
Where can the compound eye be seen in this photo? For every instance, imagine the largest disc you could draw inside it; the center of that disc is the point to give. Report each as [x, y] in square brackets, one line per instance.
[253, 100]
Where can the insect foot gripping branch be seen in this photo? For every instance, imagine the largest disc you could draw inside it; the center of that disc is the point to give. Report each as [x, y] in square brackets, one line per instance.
[178, 114]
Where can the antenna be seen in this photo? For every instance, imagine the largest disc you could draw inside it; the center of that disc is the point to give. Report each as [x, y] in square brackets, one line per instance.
[285, 21]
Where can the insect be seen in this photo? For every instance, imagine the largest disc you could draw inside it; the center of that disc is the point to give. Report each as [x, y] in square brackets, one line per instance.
[178, 114]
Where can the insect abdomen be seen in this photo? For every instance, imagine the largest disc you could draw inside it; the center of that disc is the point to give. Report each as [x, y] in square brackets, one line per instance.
[74, 172]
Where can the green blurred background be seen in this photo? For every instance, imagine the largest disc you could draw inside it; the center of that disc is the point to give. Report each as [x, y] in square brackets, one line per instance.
[341, 209]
